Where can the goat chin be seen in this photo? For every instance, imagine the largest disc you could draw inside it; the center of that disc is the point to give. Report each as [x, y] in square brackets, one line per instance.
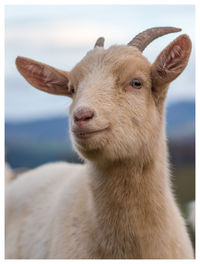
[119, 204]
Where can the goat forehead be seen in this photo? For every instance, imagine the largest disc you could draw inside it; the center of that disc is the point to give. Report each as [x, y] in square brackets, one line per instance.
[99, 61]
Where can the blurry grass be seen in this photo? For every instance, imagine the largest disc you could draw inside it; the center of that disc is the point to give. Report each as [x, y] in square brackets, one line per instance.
[183, 179]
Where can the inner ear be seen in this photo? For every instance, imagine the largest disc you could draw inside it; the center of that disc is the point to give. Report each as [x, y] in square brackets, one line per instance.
[43, 77]
[171, 61]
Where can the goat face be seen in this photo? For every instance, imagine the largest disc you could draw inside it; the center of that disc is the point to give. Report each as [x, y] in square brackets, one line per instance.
[118, 96]
[113, 113]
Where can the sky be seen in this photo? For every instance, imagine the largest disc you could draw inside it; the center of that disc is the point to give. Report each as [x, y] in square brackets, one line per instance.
[61, 36]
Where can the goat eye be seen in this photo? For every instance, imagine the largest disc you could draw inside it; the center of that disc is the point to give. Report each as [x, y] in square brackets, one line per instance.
[72, 90]
[135, 83]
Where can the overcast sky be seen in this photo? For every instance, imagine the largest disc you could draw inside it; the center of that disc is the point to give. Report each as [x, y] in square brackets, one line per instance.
[61, 36]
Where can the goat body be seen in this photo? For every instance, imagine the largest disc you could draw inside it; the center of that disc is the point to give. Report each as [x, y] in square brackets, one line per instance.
[119, 204]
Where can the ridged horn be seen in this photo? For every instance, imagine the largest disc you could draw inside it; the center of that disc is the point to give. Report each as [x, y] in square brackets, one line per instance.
[99, 42]
[142, 40]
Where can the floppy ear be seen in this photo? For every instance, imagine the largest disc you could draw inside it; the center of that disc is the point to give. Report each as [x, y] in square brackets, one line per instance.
[169, 64]
[43, 77]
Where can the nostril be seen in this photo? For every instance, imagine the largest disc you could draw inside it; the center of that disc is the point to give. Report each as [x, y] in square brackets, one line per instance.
[83, 114]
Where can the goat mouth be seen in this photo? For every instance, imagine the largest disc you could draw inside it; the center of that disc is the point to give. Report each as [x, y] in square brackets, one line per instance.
[87, 133]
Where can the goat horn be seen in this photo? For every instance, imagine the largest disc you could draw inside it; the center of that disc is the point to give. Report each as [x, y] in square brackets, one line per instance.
[142, 40]
[99, 42]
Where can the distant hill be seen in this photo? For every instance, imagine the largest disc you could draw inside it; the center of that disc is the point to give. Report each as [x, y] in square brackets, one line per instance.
[29, 144]
[181, 120]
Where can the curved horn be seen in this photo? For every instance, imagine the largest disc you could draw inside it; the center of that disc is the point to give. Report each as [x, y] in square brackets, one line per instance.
[142, 40]
[99, 42]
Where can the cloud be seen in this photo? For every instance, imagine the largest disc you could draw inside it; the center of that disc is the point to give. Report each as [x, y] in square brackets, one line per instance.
[61, 34]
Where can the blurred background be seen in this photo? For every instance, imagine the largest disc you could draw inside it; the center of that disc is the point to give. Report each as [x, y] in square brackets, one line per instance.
[36, 124]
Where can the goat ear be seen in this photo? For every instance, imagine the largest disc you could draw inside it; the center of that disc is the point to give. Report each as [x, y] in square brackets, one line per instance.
[170, 63]
[43, 77]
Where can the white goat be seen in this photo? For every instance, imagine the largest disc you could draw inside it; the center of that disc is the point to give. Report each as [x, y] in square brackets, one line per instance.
[191, 214]
[9, 173]
[119, 204]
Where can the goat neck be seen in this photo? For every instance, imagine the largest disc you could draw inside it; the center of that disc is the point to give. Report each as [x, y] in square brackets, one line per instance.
[131, 199]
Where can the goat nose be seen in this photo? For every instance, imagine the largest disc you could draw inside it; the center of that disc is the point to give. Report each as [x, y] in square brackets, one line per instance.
[83, 114]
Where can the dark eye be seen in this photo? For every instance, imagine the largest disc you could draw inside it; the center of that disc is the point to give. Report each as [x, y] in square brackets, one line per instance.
[135, 83]
[72, 90]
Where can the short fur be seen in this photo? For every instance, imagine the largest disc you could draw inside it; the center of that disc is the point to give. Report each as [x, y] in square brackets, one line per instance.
[120, 203]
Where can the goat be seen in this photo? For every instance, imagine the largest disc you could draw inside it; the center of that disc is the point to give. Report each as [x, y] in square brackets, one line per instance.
[9, 173]
[119, 204]
[191, 215]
